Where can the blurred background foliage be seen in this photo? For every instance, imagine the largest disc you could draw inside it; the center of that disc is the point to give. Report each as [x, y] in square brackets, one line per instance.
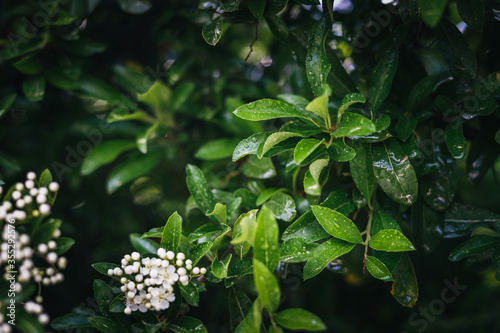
[84, 71]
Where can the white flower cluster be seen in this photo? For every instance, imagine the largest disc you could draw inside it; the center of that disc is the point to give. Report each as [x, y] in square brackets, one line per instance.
[27, 200]
[150, 286]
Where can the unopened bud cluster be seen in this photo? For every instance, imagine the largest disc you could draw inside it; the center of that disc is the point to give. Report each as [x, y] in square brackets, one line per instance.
[150, 281]
[27, 200]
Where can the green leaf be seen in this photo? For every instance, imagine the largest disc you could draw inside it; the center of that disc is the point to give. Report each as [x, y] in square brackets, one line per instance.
[103, 154]
[34, 88]
[456, 51]
[97, 89]
[455, 140]
[197, 251]
[172, 231]
[381, 80]
[362, 169]
[298, 101]
[267, 193]
[424, 88]
[207, 231]
[199, 189]
[405, 287]
[277, 26]
[305, 148]
[45, 178]
[258, 168]
[317, 64]
[265, 244]
[312, 182]
[103, 295]
[341, 152]
[5, 103]
[306, 129]
[63, 245]
[250, 145]
[394, 172]
[212, 32]
[426, 227]
[70, 321]
[283, 206]
[411, 148]
[187, 324]
[324, 254]
[243, 232]
[117, 305]
[337, 224]
[253, 319]
[460, 220]
[378, 269]
[338, 76]
[131, 169]
[390, 240]
[472, 12]
[308, 228]
[190, 294]
[273, 140]
[265, 109]
[353, 124]
[141, 245]
[473, 246]
[296, 250]
[216, 149]
[347, 101]
[153, 233]
[267, 286]
[144, 135]
[219, 213]
[105, 325]
[237, 271]
[103, 267]
[382, 220]
[432, 10]
[239, 305]
[319, 106]
[219, 268]
[299, 319]
[405, 127]
[257, 8]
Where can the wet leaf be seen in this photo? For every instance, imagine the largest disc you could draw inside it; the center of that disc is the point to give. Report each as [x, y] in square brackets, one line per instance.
[390, 240]
[257, 8]
[457, 51]
[341, 152]
[411, 148]
[353, 124]
[105, 153]
[317, 64]
[426, 227]
[197, 251]
[347, 101]
[250, 145]
[337, 224]
[265, 109]
[299, 319]
[239, 305]
[424, 88]
[460, 220]
[283, 206]
[382, 220]
[253, 319]
[472, 12]
[199, 189]
[394, 172]
[296, 250]
[190, 294]
[405, 126]
[312, 181]
[432, 10]
[237, 270]
[305, 148]
[381, 80]
[473, 246]
[265, 244]
[143, 245]
[219, 268]
[187, 324]
[273, 140]
[216, 149]
[362, 169]
[267, 286]
[212, 32]
[324, 254]
[405, 286]
[319, 106]
[34, 88]
[378, 269]
[172, 232]
[259, 168]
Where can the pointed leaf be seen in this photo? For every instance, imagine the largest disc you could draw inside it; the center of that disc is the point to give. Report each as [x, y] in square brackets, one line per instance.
[324, 254]
[143, 246]
[257, 8]
[457, 51]
[362, 169]
[212, 32]
[187, 325]
[381, 80]
[405, 126]
[454, 136]
[378, 269]
[219, 268]
[258, 168]
[341, 152]
[265, 109]
[172, 231]
[460, 220]
[319, 106]
[347, 101]
[472, 12]
[317, 64]
[305, 148]
[299, 319]
[190, 294]
[265, 245]
[390, 240]
[103, 154]
[274, 139]
[250, 145]
[382, 220]
[216, 149]
[198, 251]
[337, 224]
[199, 189]
[353, 124]
[237, 270]
[283, 206]
[296, 250]
[432, 10]
[473, 246]
[267, 286]
[405, 287]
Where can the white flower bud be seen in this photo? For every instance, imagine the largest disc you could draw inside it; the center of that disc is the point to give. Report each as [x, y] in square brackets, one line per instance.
[43, 191]
[28, 199]
[181, 256]
[181, 271]
[135, 255]
[39, 299]
[31, 175]
[189, 262]
[179, 262]
[110, 271]
[161, 253]
[117, 271]
[57, 233]
[130, 294]
[19, 214]
[34, 192]
[62, 262]
[29, 184]
[50, 271]
[42, 248]
[170, 255]
[16, 195]
[127, 311]
[189, 267]
[203, 270]
[123, 280]
[20, 203]
[129, 270]
[19, 186]
[139, 277]
[54, 187]
[184, 279]
[46, 281]
[44, 209]
[52, 257]
[7, 205]
[43, 319]
[131, 285]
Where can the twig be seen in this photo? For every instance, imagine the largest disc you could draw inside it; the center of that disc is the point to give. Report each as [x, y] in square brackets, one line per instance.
[254, 40]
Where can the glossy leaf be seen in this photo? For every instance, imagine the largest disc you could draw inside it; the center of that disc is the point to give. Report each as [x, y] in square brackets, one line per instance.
[219, 214]
[244, 232]
[275, 139]
[411, 148]
[317, 64]
[257, 8]
[105, 325]
[324, 254]
[390, 240]
[219, 268]
[143, 245]
[187, 324]
[473, 246]
[405, 126]
[454, 136]
[130, 170]
[70, 321]
[212, 32]
[253, 319]
[265, 244]
[239, 305]
[268, 193]
[199, 189]
[341, 152]
[308, 228]
[172, 232]
[353, 124]
[216, 149]
[381, 80]
[378, 269]
[296, 250]
[305, 148]
[198, 251]
[424, 88]
[337, 224]
[299, 319]
[105, 153]
[319, 106]
[267, 286]
[432, 10]
[258, 168]
[278, 27]
[457, 51]
[312, 181]
[472, 12]
[237, 270]
[382, 220]
[426, 227]
[5, 103]
[265, 109]
[208, 231]
[460, 220]
[298, 101]
[190, 294]
[283, 206]
[338, 77]
[347, 101]
[362, 169]
[405, 286]
[34, 88]
[250, 145]
[394, 172]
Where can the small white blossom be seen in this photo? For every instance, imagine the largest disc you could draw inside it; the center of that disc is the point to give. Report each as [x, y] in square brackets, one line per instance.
[31, 175]
[44, 209]
[54, 187]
